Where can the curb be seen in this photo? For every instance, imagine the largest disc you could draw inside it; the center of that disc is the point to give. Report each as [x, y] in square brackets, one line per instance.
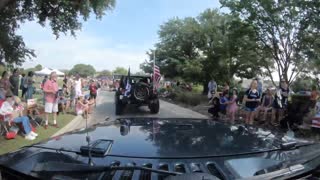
[70, 126]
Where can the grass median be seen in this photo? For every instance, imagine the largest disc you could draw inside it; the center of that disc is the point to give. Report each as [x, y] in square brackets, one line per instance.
[19, 141]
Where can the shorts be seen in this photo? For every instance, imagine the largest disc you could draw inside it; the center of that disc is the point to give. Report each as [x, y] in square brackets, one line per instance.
[51, 107]
[62, 101]
[250, 109]
[78, 94]
[93, 96]
[79, 112]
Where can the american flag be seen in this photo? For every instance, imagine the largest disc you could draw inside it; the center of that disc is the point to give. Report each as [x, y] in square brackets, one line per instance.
[156, 76]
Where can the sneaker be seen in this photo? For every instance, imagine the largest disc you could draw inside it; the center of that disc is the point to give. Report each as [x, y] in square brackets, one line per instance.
[29, 137]
[55, 125]
[46, 126]
[33, 134]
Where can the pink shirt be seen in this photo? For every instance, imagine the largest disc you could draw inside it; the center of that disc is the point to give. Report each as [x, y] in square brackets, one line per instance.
[51, 85]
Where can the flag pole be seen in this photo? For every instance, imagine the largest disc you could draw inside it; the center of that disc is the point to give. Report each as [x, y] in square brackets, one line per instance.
[154, 64]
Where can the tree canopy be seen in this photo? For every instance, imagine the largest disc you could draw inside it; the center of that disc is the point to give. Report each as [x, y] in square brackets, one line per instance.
[84, 70]
[38, 67]
[213, 45]
[104, 73]
[288, 31]
[120, 71]
[63, 16]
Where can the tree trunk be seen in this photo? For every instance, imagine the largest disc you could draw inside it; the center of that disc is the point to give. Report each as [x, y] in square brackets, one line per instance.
[205, 88]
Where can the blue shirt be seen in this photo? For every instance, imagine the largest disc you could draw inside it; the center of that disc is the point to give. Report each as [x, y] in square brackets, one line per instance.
[223, 100]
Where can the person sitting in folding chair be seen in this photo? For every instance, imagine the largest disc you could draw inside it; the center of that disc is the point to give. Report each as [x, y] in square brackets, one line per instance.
[8, 110]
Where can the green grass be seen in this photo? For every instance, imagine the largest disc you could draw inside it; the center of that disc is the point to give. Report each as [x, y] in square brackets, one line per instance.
[197, 88]
[19, 141]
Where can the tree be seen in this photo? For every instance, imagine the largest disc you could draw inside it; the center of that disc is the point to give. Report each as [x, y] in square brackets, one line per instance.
[286, 30]
[229, 47]
[62, 16]
[139, 73]
[38, 67]
[302, 83]
[105, 73]
[120, 71]
[83, 70]
[177, 46]
[213, 45]
[65, 71]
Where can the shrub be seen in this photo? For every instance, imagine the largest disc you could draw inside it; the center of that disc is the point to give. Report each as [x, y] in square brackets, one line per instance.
[189, 98]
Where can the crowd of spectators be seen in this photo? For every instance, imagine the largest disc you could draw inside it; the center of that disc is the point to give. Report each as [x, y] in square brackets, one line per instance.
[76, 95]
[267, 105]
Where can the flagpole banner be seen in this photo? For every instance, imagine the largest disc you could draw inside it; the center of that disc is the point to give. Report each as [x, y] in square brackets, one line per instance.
[128, 86]
[156, 77]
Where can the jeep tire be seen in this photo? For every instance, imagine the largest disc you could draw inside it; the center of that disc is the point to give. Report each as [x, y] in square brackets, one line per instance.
[154, 106]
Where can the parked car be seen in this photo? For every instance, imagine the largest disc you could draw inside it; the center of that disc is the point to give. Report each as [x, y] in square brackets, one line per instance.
[137, 90]
[172, 149]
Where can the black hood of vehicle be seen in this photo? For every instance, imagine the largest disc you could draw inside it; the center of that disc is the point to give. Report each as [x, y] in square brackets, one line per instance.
[171, 138]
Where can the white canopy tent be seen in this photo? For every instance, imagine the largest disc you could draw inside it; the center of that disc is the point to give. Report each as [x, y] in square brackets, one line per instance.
[59, 73]
[47, 71]
[44, 71]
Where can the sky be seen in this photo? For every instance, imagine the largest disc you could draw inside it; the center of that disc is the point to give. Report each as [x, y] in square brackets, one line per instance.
[121, 38]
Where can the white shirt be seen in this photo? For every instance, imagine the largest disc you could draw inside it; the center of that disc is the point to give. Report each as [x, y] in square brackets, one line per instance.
[5, 110]
[78, 85]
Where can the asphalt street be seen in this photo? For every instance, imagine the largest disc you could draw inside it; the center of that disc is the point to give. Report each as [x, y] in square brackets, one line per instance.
[105, 112]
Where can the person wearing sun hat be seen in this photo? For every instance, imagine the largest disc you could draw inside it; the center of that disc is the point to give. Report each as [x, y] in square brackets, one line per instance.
[12, 114]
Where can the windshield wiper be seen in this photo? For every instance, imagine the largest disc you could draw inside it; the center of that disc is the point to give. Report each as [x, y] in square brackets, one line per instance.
[67, 168]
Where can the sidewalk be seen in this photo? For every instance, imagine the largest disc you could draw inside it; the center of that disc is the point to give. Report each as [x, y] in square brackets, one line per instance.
[76, 122]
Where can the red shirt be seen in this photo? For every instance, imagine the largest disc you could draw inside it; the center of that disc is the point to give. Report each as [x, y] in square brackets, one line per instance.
[93, 89]
[51, 85]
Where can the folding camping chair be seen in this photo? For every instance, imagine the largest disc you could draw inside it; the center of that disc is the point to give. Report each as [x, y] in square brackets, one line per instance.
[33, 112]
[3, 125]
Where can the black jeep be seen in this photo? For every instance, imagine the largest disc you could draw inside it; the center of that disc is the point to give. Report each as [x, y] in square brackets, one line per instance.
[137, 90]
[165, 149]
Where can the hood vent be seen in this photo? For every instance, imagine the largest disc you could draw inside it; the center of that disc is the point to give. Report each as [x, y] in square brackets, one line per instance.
[193, 167]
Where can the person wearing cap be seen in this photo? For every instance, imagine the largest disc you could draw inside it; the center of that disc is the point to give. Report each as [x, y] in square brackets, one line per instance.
[50, 88]
[10, 110]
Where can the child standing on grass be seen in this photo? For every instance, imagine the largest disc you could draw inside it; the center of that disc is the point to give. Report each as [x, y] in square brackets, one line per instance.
[232, 107]
[81, 107]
